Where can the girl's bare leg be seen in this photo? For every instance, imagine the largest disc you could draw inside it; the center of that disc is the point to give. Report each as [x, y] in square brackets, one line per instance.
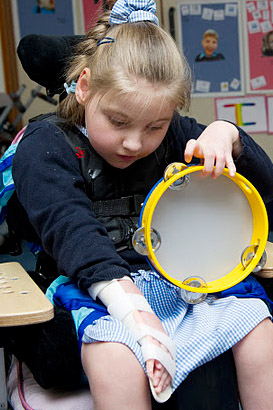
[253, 357]
[117, 380]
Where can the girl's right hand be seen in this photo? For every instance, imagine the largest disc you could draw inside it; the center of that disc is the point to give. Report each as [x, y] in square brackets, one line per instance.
[217, 146]
[157, 373]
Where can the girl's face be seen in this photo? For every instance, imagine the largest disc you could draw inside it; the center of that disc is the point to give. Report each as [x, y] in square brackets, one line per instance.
[121, 129]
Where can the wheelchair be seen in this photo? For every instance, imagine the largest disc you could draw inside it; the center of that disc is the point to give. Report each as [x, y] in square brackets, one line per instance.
[51, 344]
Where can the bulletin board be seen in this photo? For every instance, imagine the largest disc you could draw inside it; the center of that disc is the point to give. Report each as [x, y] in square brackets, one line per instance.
[57, 19]
[258, 16]
[221, 74]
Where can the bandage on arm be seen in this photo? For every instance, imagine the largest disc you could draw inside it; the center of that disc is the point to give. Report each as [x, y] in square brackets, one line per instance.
[123, 306]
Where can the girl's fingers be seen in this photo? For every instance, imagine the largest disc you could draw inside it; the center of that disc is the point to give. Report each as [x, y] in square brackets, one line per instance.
[219, 166]
[214, 160]
[189, 150]
[158, 375]
[209, 161]
[150, 368]
[154, 371]
[231, 166]
[164, 382]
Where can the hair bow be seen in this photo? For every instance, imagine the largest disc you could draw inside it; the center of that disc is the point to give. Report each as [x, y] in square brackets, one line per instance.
[132, 11]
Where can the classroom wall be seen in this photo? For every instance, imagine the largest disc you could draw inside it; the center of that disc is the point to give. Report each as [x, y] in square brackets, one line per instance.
[39, 106]
[202, 108]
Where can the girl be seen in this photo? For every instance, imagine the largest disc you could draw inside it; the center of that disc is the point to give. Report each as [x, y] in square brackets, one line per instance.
[80, 177]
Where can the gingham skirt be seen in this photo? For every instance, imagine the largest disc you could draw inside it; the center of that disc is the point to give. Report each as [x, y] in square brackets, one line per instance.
[200, 332]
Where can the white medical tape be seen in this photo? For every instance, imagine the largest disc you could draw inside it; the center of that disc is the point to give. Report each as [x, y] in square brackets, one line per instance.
[118, 302]
[121, 306]
[164, 395]
[163, 338]
[140, 302]
[97, 287]
[151, 351]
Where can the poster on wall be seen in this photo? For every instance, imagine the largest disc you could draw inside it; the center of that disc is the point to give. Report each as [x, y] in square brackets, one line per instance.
[259, 45]
[91, 11]
[249, 113]
[47, 17]
[210, 37]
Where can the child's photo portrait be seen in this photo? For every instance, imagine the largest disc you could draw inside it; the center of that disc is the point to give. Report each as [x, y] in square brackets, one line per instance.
[267, 44]
[211, 41]
[46, 17]
[44, 7]
[210, 45]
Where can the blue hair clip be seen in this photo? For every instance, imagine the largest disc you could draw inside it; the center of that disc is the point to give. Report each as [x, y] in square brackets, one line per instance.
[70, 88]
[105, 40]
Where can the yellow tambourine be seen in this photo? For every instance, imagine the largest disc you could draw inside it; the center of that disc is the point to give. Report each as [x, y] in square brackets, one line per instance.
[202, 234]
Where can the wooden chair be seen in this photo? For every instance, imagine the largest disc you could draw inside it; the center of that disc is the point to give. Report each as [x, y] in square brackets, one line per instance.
[21, 303]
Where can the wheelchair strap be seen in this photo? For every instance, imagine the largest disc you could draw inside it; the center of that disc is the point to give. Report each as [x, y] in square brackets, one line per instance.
[130, 205]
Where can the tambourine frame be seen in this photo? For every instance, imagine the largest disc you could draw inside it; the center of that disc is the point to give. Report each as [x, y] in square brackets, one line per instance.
[258, 240]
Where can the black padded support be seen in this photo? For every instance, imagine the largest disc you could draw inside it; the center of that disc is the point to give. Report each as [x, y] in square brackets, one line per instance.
[45, 58]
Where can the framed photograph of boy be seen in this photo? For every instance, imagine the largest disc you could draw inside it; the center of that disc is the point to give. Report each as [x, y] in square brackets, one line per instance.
[210, 37]
[47, 17]
[258, 30]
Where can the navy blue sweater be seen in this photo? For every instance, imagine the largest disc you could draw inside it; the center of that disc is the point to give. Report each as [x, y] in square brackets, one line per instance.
[50, 187]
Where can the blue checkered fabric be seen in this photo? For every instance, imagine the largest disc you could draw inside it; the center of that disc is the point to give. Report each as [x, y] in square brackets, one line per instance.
[200, 332]
[132, 11]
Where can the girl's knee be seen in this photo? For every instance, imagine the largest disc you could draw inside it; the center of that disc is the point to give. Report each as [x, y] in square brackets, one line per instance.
[113, 368]
[105, 360]
[256, 346]
[262, 333]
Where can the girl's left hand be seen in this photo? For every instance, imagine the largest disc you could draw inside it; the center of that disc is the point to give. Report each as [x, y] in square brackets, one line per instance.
[218, 144]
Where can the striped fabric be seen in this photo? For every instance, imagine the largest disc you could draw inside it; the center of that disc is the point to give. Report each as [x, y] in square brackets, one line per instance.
[132, 11]
[200, 332]
[6, 180]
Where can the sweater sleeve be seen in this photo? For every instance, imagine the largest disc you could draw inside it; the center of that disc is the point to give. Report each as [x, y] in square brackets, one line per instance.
[255, 165]
[253, 162]
[50, 187]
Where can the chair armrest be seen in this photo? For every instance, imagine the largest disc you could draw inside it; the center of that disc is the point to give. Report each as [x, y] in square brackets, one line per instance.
[21, 300]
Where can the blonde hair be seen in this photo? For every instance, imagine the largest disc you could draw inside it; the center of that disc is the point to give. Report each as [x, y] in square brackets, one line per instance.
[140, 51]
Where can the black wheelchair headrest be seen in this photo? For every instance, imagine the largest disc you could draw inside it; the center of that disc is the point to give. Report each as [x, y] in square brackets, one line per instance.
[45, 58]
